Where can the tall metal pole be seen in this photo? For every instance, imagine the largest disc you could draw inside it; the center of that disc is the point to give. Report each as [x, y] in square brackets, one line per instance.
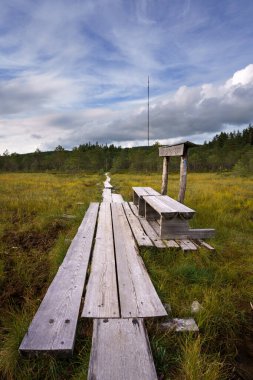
[148, 110]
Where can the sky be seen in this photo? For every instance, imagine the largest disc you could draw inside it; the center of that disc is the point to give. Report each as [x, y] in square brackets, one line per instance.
[73, 72]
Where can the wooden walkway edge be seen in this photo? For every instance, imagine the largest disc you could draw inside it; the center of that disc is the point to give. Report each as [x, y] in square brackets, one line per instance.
[53, 327]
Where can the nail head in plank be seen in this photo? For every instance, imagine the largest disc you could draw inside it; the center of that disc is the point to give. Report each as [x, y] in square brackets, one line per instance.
[120, 350]
[101, 298]
[53, 327]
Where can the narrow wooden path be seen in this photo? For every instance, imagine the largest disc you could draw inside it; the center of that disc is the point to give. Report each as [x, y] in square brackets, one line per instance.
[118, 294]
[53, 327]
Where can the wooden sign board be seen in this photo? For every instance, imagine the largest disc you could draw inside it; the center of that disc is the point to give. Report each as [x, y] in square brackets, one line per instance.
[169, 151]
[175, 150]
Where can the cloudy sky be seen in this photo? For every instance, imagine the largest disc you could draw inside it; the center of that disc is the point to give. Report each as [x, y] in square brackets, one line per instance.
[76, 71]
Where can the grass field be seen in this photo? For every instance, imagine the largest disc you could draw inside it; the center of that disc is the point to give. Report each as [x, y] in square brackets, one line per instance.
[222, 281]
[35, 235]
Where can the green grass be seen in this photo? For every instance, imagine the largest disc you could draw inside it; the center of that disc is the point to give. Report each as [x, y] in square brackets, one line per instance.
[34, 238]
[221, 281]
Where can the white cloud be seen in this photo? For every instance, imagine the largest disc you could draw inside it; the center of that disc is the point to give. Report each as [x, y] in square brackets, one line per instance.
[77, 71]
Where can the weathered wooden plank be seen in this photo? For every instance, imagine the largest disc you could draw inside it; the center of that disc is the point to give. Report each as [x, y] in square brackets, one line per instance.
[141, 191]
[117, 198]
[160, 207]
[148, 229]
[138, 232]
[173, 228]
[170, 151]
[101, 298]
[175, 150]
[120, 350]
[168, 243]
[164, 188]
[183, 177]
[200, 233]
[138, 193]
[183, 211]
[206, 245]
[171, 244]
[107, 184]
[187, 245]
[107, 195]
[137, 294]
[53, 327]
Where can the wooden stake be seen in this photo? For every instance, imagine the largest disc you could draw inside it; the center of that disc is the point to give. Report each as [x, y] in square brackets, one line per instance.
[164, 189]
[183, 177]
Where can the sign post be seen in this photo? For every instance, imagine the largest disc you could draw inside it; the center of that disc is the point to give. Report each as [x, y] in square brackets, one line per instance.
[171, 151]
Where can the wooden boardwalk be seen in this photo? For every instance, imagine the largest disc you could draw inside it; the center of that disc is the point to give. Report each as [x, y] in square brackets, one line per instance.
[121, 350]
[119, 293]
[119, 289]
[53, 327]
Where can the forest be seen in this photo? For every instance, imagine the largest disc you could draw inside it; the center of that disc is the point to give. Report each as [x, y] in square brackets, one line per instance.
[225, 152]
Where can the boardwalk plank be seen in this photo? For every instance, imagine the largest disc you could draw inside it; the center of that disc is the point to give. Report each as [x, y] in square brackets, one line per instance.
[206, 245]
[187, 245]
[53, 327]
[140, 236]
[117, 198]
[137, 294]
[121, 350]
[101, 299]
[148, 229]
[107, 195]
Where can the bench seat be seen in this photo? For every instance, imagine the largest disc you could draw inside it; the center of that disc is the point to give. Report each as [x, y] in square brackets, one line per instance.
[139, 193]
[167, 207]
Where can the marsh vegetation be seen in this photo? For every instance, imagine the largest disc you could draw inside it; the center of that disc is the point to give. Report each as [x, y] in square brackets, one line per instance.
[35, 235]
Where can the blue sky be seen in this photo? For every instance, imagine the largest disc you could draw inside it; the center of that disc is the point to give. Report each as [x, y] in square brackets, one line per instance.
[76, 71]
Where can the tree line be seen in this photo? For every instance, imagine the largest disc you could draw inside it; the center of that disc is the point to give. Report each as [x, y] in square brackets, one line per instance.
[225, 152]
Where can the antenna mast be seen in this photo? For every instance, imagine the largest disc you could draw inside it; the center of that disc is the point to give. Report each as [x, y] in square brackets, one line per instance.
[148, 111]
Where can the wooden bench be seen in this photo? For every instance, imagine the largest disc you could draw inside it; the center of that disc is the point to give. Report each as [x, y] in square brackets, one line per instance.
[139, 193]
[171, 215]
[53, 327]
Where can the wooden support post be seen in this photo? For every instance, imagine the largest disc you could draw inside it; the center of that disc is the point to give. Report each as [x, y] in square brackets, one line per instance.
[183, 177]
[164, 189]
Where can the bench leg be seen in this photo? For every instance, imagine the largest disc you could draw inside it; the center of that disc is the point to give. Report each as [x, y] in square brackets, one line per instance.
[173, 228]
[135, 199]
[150, 214]
[141, 207]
